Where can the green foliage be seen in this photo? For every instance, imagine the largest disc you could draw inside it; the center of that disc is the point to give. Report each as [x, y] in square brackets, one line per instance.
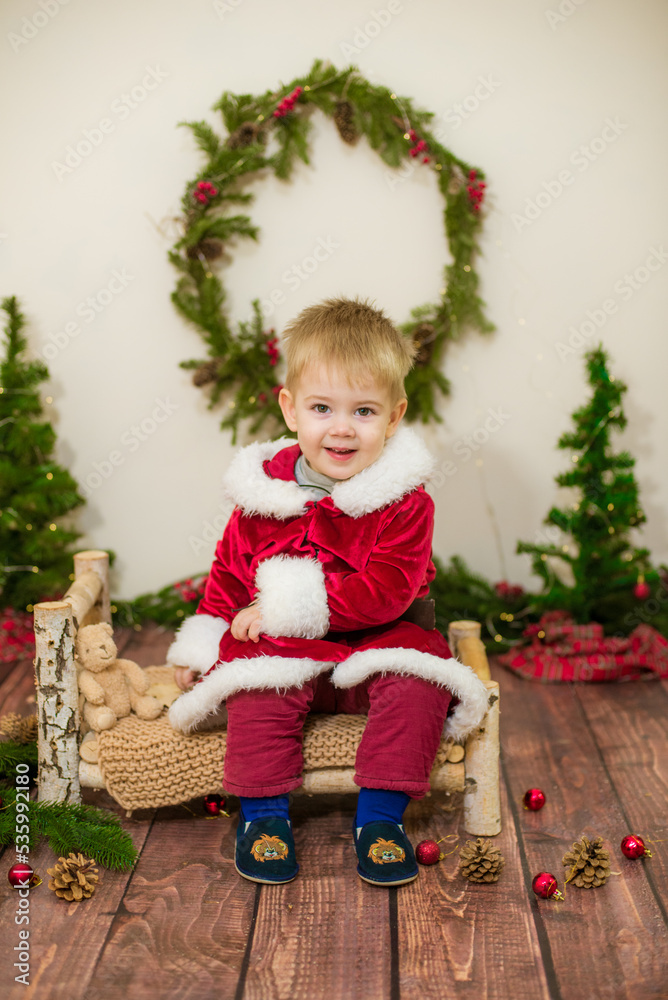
[11, 754]
[168, 606]
[460, 593]
[603, 511]
[68, 827]
[35, 492]
[245, 382]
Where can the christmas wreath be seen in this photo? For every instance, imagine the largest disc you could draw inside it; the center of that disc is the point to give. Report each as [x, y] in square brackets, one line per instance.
[268, 133]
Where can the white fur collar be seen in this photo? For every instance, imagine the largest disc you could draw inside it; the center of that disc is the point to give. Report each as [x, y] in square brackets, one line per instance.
[404, 464]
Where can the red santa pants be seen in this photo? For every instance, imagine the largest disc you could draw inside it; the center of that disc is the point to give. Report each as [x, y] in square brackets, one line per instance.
[397, 751]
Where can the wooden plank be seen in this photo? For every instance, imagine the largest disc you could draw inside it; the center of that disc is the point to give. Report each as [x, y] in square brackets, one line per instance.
[183, 923]
[460, 939]
[17, 691]
[65, 938]
[635, 754]
[327, 933]
[609, 942]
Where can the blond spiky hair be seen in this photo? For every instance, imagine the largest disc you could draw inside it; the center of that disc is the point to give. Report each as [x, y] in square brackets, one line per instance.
[353, 337]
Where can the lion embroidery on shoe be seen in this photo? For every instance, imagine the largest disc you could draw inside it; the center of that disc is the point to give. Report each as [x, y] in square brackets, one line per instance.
[385, 851]
[269, 849]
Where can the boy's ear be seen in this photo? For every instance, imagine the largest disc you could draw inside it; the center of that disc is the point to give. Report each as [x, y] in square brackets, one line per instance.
[396, 417]
[287, 405]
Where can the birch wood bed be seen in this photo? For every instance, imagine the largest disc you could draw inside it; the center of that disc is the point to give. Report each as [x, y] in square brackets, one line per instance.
[134, 749]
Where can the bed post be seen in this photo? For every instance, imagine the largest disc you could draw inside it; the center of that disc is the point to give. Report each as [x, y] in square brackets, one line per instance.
[56, 625]
[57, 704]
[482, 803]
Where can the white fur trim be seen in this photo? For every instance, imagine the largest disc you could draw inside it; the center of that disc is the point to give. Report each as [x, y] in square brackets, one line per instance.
[249, 487]
[194, 709]
[196, 642]
[292, 597]
[458, 678]
[403, 465]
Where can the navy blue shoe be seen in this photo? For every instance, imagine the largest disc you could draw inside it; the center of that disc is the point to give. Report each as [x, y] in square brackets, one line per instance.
[265, 850]
[384, 853]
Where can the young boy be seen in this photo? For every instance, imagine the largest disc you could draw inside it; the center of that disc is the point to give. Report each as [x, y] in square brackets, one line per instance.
[327, 547]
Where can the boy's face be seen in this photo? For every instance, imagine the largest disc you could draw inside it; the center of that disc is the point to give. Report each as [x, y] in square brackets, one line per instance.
[341, 428]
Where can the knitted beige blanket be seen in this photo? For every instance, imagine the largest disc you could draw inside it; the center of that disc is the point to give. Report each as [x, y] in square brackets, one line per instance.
[148, 764]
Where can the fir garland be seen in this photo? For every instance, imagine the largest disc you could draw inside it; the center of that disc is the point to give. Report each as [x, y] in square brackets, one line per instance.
[67, 826]
[270, 132]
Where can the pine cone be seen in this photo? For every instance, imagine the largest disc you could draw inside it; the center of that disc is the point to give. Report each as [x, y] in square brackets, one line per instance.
[19, 728]
[245, 135]
[208, 248]
[481, 861]
[344, 121]
[424, 336]
[73, 877]
[206, 373]
[587, 864]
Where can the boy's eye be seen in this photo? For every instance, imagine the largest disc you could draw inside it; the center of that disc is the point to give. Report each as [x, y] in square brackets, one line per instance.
[321, 407]
[364, 411]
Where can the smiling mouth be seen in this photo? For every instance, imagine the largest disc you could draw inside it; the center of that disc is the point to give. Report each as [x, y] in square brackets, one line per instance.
[340, 452]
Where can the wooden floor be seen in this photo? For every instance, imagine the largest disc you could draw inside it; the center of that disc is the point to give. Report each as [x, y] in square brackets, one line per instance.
[183, 924]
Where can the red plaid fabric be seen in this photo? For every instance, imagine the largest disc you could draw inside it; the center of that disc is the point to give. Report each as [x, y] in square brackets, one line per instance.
[560, 650]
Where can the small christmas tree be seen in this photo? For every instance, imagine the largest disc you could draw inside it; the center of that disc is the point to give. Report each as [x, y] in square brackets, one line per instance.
[606, 576]
[34, 489]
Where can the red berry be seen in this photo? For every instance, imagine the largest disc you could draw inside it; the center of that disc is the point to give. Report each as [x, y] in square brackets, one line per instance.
[473, 174]
[641, 590]
[201, 197]
[425, 159]
[413, 151]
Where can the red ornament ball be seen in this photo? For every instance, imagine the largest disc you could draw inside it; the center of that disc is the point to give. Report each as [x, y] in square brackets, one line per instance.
[545, 885]
[534, 799]
[213, 804]
[641, 590]
[21, 876]
[634, 847]
[428, 852]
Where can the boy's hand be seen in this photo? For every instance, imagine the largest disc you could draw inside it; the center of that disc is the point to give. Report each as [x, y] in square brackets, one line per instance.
[185, 677]
[247, 624]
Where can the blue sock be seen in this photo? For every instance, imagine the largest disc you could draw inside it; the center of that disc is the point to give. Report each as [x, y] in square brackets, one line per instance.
[271, 805]
[380, 804]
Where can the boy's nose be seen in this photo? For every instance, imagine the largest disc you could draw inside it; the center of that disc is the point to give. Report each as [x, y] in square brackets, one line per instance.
[342, 428]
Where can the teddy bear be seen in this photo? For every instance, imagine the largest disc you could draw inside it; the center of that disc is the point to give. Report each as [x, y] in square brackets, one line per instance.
[109, 688]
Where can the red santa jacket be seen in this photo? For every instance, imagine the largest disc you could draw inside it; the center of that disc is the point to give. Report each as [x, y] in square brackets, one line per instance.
[332, 578]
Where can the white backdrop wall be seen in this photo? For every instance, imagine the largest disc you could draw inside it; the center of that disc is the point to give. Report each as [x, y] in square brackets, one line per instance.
[562, 102]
